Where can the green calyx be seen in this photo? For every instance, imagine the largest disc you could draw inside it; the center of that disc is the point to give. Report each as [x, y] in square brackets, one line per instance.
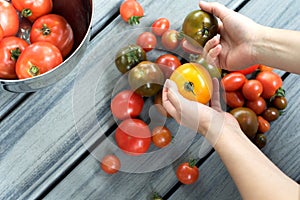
[192, 162]
[134, 20]
[189, 86]
[45, 30]
[26, 12]
[34, 70]
[15, 53]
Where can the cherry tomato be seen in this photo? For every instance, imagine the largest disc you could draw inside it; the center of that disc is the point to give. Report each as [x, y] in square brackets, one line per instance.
[168, 63]
[54, 29]
[131, 11]
[170, 39]
[258, 105]
[160, 26]
[187, 173]
[252, 89]
[271, 114]
[110, 164]
[9, 19]
[233, 99]
[159, 106]
[147, 41]
[279, 102]
[10, 49]
[146, 78]
[33, 9]
[193, 82]
[161, 136]
[260, 140]
[233, 81]
[271, 83]
[38, 58]
[265, 68]
[126, 104]
[249, 70]
[133, 137]
[263, 125]
[247, 120]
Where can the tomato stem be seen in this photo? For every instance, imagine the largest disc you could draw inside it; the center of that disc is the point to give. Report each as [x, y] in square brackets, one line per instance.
[189, 86]
[26, 12]
[45, 30]
[34, 70]
[192, 162]
[134, 20]
[15, 53]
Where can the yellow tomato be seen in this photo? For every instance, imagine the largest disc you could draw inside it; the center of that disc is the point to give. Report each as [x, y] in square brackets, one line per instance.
[193, 82]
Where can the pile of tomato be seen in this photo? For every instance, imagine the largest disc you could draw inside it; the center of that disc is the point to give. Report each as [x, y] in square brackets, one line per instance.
[33, 40]
[255, 97]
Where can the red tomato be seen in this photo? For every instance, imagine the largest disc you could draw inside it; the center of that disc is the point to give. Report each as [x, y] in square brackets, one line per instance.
[133, 136]
[160, 26]
[33, 9]
[258, 105]
[110, 164]
[252, 89]
[187, 173]
[233, 81]
[233, 99]
[170, 39]
[37, 59]
[271, 83]
[131, 11]
[263, 125]
[54, 29]
[161, 136]
[10, 49]
[249, 70]
[126, 104]
[1, 32]
[147, 41]
[168, 63]
[9, 19]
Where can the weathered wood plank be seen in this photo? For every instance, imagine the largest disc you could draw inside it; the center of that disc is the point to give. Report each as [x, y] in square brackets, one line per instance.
[103, 11]
[283, 139]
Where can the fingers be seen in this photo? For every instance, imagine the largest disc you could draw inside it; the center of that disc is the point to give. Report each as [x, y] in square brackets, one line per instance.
[215, 8]
[169, 100]
[210, 44]
[215, 100]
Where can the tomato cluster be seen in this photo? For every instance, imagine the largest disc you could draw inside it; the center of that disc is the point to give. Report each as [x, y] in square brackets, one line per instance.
[32, 39]
[255, 97]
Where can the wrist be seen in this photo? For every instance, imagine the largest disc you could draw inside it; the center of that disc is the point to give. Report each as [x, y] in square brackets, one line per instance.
[259, 44]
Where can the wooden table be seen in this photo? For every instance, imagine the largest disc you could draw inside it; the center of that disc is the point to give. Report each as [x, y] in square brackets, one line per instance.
[45, 135]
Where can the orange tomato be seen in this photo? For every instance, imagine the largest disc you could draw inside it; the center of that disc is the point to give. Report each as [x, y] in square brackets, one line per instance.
[193, 82]
[265, 68]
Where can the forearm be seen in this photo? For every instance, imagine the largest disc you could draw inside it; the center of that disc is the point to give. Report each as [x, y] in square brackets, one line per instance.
[278, 48]
[254, 174]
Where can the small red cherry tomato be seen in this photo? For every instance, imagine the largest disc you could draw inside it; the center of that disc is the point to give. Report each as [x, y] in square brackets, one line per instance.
[131, 11]
[252, 89]
[147, 41]
[11, 48]
[168, 63]
[126, 104]
[33, 9]
[54, 29]
[170, 39]
[187, 173]
[271, 83]
[258, 105]
[38, 58]
[233, 81]
[161, 136]
[160, 26]
[233, 99]
[110, 164]
[263, 125]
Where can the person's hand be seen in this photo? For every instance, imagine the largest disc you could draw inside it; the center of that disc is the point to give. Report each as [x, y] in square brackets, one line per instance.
[208, 121]
[233, 48]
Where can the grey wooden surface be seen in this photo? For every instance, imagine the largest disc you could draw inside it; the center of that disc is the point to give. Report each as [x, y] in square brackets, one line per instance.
[48, 131]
